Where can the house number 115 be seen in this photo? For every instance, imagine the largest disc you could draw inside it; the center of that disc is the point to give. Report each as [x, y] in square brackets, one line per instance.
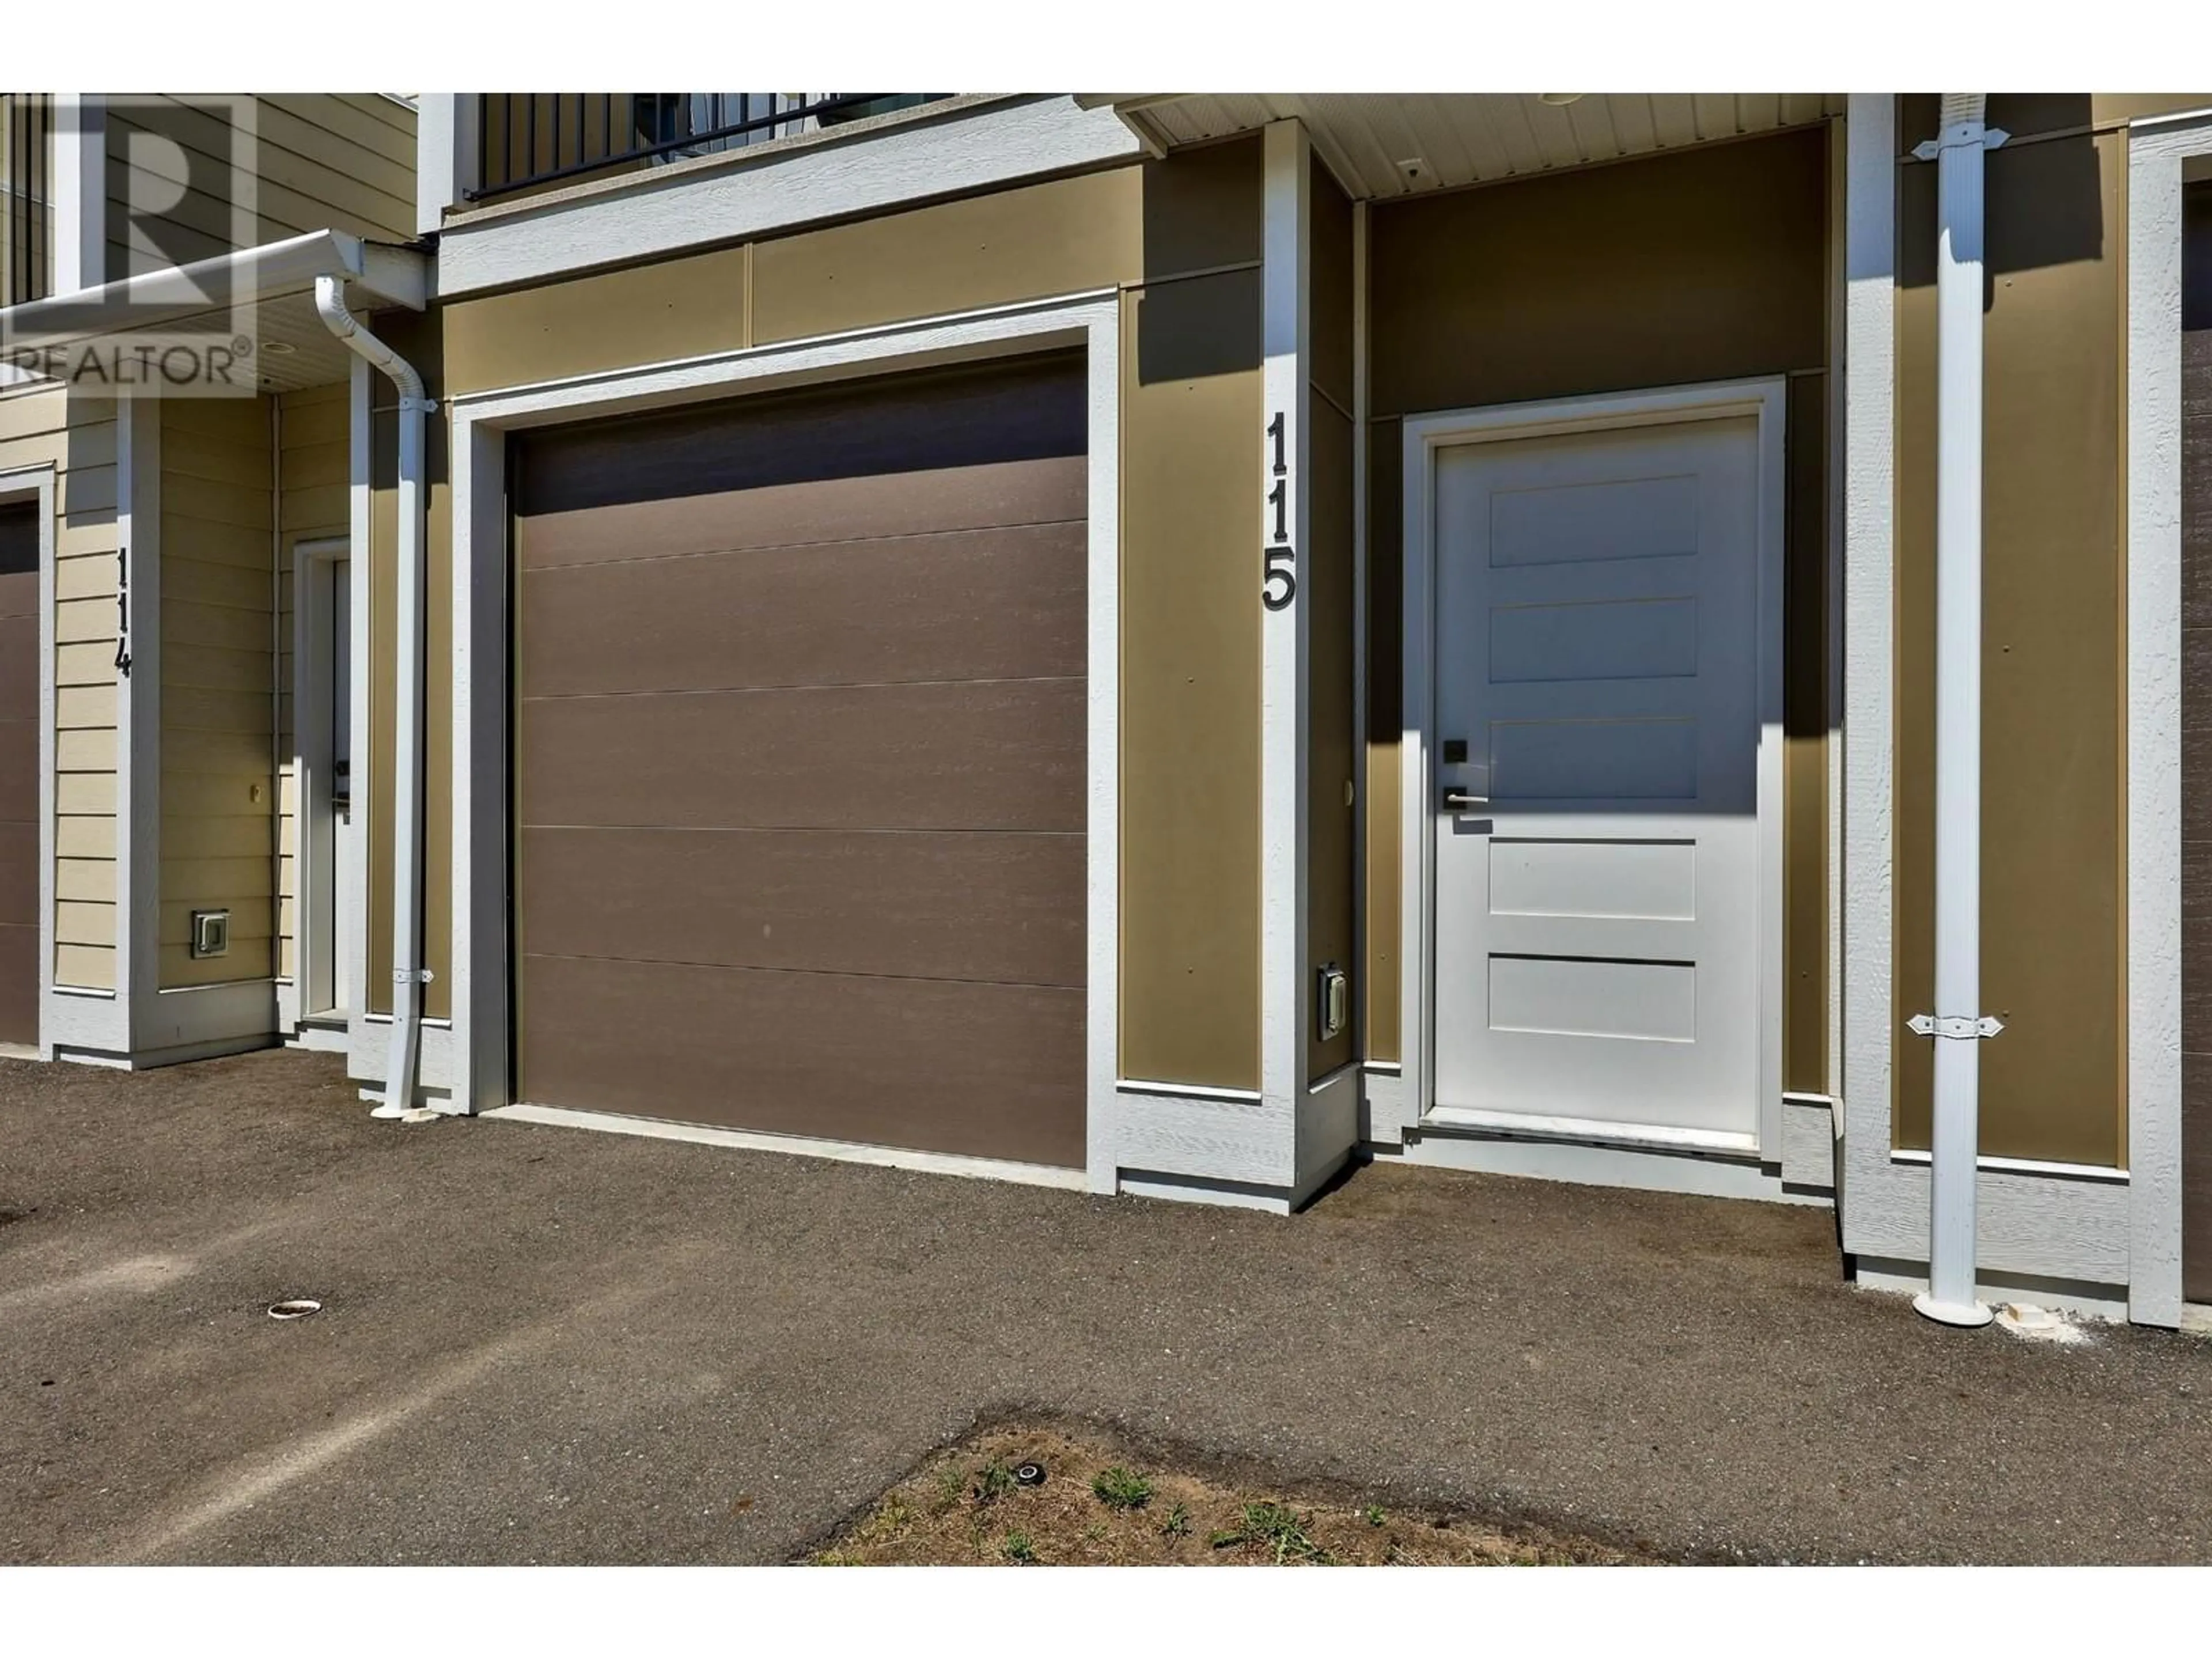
[1279, 560]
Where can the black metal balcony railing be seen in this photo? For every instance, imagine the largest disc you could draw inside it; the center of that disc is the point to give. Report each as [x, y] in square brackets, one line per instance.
[527, 140]
[26, 251]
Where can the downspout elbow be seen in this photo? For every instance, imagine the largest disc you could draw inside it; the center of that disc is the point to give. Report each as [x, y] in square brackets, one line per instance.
[330, 305]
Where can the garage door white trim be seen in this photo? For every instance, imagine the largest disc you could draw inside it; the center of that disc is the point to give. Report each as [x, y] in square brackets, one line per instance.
[1424, 436]
[481, 832]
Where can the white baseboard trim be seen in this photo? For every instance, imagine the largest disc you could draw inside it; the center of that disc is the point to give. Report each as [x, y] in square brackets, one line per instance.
[2074, 1296]
[1581, 1164]
[19, 1051]
[1225, 1137]
[1808, 1142]
[842, 1151]
[1384, 1117]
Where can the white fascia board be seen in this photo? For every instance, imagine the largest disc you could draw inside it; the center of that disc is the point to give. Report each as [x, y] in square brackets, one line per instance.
[980, 148]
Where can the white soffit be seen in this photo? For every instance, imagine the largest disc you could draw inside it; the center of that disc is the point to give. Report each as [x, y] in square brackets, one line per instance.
[1466, 138]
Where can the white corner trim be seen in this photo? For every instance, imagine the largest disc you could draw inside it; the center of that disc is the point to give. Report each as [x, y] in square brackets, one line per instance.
[138, 721]
[1281, 481]
[80, 191]
[1103, 919]
[480, 622]
[2153, 707]
[38, 484]
[1838, 468]
[842, 1152]
[444, 154]
[1766, 399]
[1870, 436]
[979, 148]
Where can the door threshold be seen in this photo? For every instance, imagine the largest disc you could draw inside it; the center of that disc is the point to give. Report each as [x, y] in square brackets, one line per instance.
[1590, 1130]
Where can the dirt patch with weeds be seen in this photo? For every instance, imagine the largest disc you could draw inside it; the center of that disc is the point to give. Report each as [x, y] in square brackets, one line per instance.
[983, 1502]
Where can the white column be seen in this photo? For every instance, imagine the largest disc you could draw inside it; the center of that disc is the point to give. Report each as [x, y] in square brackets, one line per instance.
[1278, 576]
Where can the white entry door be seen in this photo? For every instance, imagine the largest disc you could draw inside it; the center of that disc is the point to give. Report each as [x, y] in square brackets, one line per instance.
[1597, 734]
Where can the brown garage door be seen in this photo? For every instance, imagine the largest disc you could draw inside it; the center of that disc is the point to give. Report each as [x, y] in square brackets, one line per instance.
[800, 763]
[2196, 743]
[19, 772]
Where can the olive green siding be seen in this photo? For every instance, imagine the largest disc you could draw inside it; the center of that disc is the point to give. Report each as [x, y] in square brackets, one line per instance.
[2053, 1085]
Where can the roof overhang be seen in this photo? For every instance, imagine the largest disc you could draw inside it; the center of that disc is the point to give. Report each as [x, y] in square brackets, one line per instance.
[262, 298]
[1381, 145]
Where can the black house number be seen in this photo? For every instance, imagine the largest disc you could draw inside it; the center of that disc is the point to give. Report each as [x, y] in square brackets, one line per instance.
[1279, 561]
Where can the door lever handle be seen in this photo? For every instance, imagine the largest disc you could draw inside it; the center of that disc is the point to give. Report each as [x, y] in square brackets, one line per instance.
[1458, 800]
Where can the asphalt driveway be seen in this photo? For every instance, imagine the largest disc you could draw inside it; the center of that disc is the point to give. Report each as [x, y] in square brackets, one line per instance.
[547, 1344]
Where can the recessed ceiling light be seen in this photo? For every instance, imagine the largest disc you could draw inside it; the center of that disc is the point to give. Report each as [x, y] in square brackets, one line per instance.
[1559, 100]
[277, 349]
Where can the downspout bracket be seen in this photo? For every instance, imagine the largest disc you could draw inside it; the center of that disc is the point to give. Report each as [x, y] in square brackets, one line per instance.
[1964, 133]
[1955, 1025]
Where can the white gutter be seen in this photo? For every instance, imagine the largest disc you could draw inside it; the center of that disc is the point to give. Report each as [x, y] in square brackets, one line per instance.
[408, 972]
[395, 276]
[1958, 1025]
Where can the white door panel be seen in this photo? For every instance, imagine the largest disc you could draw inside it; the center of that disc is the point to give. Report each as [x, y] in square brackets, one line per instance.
[1596, 655]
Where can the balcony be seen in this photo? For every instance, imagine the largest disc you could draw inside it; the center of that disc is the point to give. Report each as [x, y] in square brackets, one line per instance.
[27, 214]
[527, 142]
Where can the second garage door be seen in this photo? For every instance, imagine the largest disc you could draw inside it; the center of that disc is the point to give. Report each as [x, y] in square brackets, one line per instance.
[19, 772]
[800, 763]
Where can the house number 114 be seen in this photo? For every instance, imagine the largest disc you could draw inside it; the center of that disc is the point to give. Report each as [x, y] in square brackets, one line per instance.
[1278, 577]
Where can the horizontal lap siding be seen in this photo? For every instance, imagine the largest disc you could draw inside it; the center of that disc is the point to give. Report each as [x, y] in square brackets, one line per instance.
[338, 161]
[801, 757]
[218, 667]
[19, 771]
[76, 436]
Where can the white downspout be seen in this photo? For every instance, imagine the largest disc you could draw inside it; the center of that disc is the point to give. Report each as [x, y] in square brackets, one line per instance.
[407, 974]
[1958, 1025]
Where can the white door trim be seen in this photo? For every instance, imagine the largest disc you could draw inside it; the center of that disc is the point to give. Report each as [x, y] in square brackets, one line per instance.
[1765, 400]
[478, 1066]
[316, 892]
